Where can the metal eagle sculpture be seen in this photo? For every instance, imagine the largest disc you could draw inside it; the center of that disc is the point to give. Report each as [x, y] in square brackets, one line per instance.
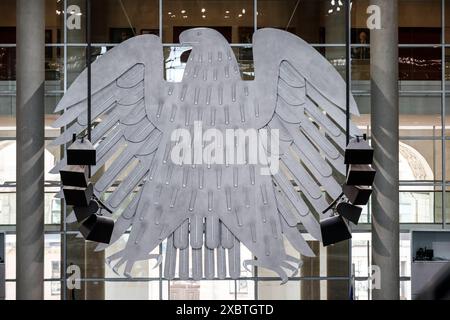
[205, 211]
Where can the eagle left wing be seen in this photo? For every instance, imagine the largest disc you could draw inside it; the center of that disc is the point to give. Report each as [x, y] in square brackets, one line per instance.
[127, 81]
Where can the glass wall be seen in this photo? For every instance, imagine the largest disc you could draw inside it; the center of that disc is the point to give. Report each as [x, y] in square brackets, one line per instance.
[424, 169]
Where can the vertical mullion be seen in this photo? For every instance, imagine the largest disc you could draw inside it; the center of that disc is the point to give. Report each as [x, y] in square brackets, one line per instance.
[443, 155]
[89, 75]
[255, 268]
[160, 24]
[347, 112]
[255, 15]
[160, 20]
[64, 207]
[160, 275]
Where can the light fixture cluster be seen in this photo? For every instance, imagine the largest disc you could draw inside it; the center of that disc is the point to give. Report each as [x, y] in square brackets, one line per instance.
[355, 192]
[203, 11]
[79, 192]
[336, 6]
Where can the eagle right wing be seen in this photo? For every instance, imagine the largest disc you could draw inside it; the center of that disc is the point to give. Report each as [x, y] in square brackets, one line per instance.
[309, 112]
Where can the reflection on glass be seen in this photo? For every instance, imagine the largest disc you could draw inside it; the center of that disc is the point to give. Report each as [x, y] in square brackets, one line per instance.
[175, 58]
[315, 21]
[115, 21]
[52, 290]
[360, 63]
[52, 256]
[362, 261]
[419, 21]
[208, 290]
[304, 290]
[420, 63]
[331, 261]
[419, 160]
[128, 290]
[233, 19]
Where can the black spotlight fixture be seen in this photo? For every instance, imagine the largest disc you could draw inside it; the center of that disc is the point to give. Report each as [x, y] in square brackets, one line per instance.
[334, 229]
[360, 174]
[358, 151]
[349, 211]
[97, 228]
[81, 152]
[77, 196]
[79, 192]
[357, 195]
[359, 157]
[75, 176]
[83, 213]
[357, 190]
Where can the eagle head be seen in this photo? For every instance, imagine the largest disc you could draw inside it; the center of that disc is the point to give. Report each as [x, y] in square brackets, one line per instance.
[202, 36]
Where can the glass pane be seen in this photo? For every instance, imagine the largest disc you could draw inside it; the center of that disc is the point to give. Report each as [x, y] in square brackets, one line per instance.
[131, 290]
[360, 67]
[447, 159]
[329, 261]
[245, 289]
[438, 205]
[208, 290]
[361, 259]
[360, 34]
[304, 290]
[112, 21]
[175, 58]
[363, 102]
[419, 21]
[8, 163]
[92, 263]
[405, 254]
[447, 21]
[52, 256]
[115, 290]
[233, 19]
[52, 290]
[447, 114]
[54, 68]
[315, 21]
[447, 208]
[7, 68]
[420, 64]
[52, 259]
[362, 251]
[418, 206]
[76, 59]
[7, 207]
[362, 290]
[420, 116]
[420, 160]
[10, 290]
[405, 290]
[54, 21]
[8, 10]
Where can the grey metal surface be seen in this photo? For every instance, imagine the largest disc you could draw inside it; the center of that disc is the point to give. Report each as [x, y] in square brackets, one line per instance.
[30, 149]
[385, 138]
[207, 211]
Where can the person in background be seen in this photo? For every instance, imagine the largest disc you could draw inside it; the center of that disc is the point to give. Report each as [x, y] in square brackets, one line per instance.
[362, 53]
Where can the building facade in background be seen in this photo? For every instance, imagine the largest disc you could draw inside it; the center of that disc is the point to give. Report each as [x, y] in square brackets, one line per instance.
[337, 271]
